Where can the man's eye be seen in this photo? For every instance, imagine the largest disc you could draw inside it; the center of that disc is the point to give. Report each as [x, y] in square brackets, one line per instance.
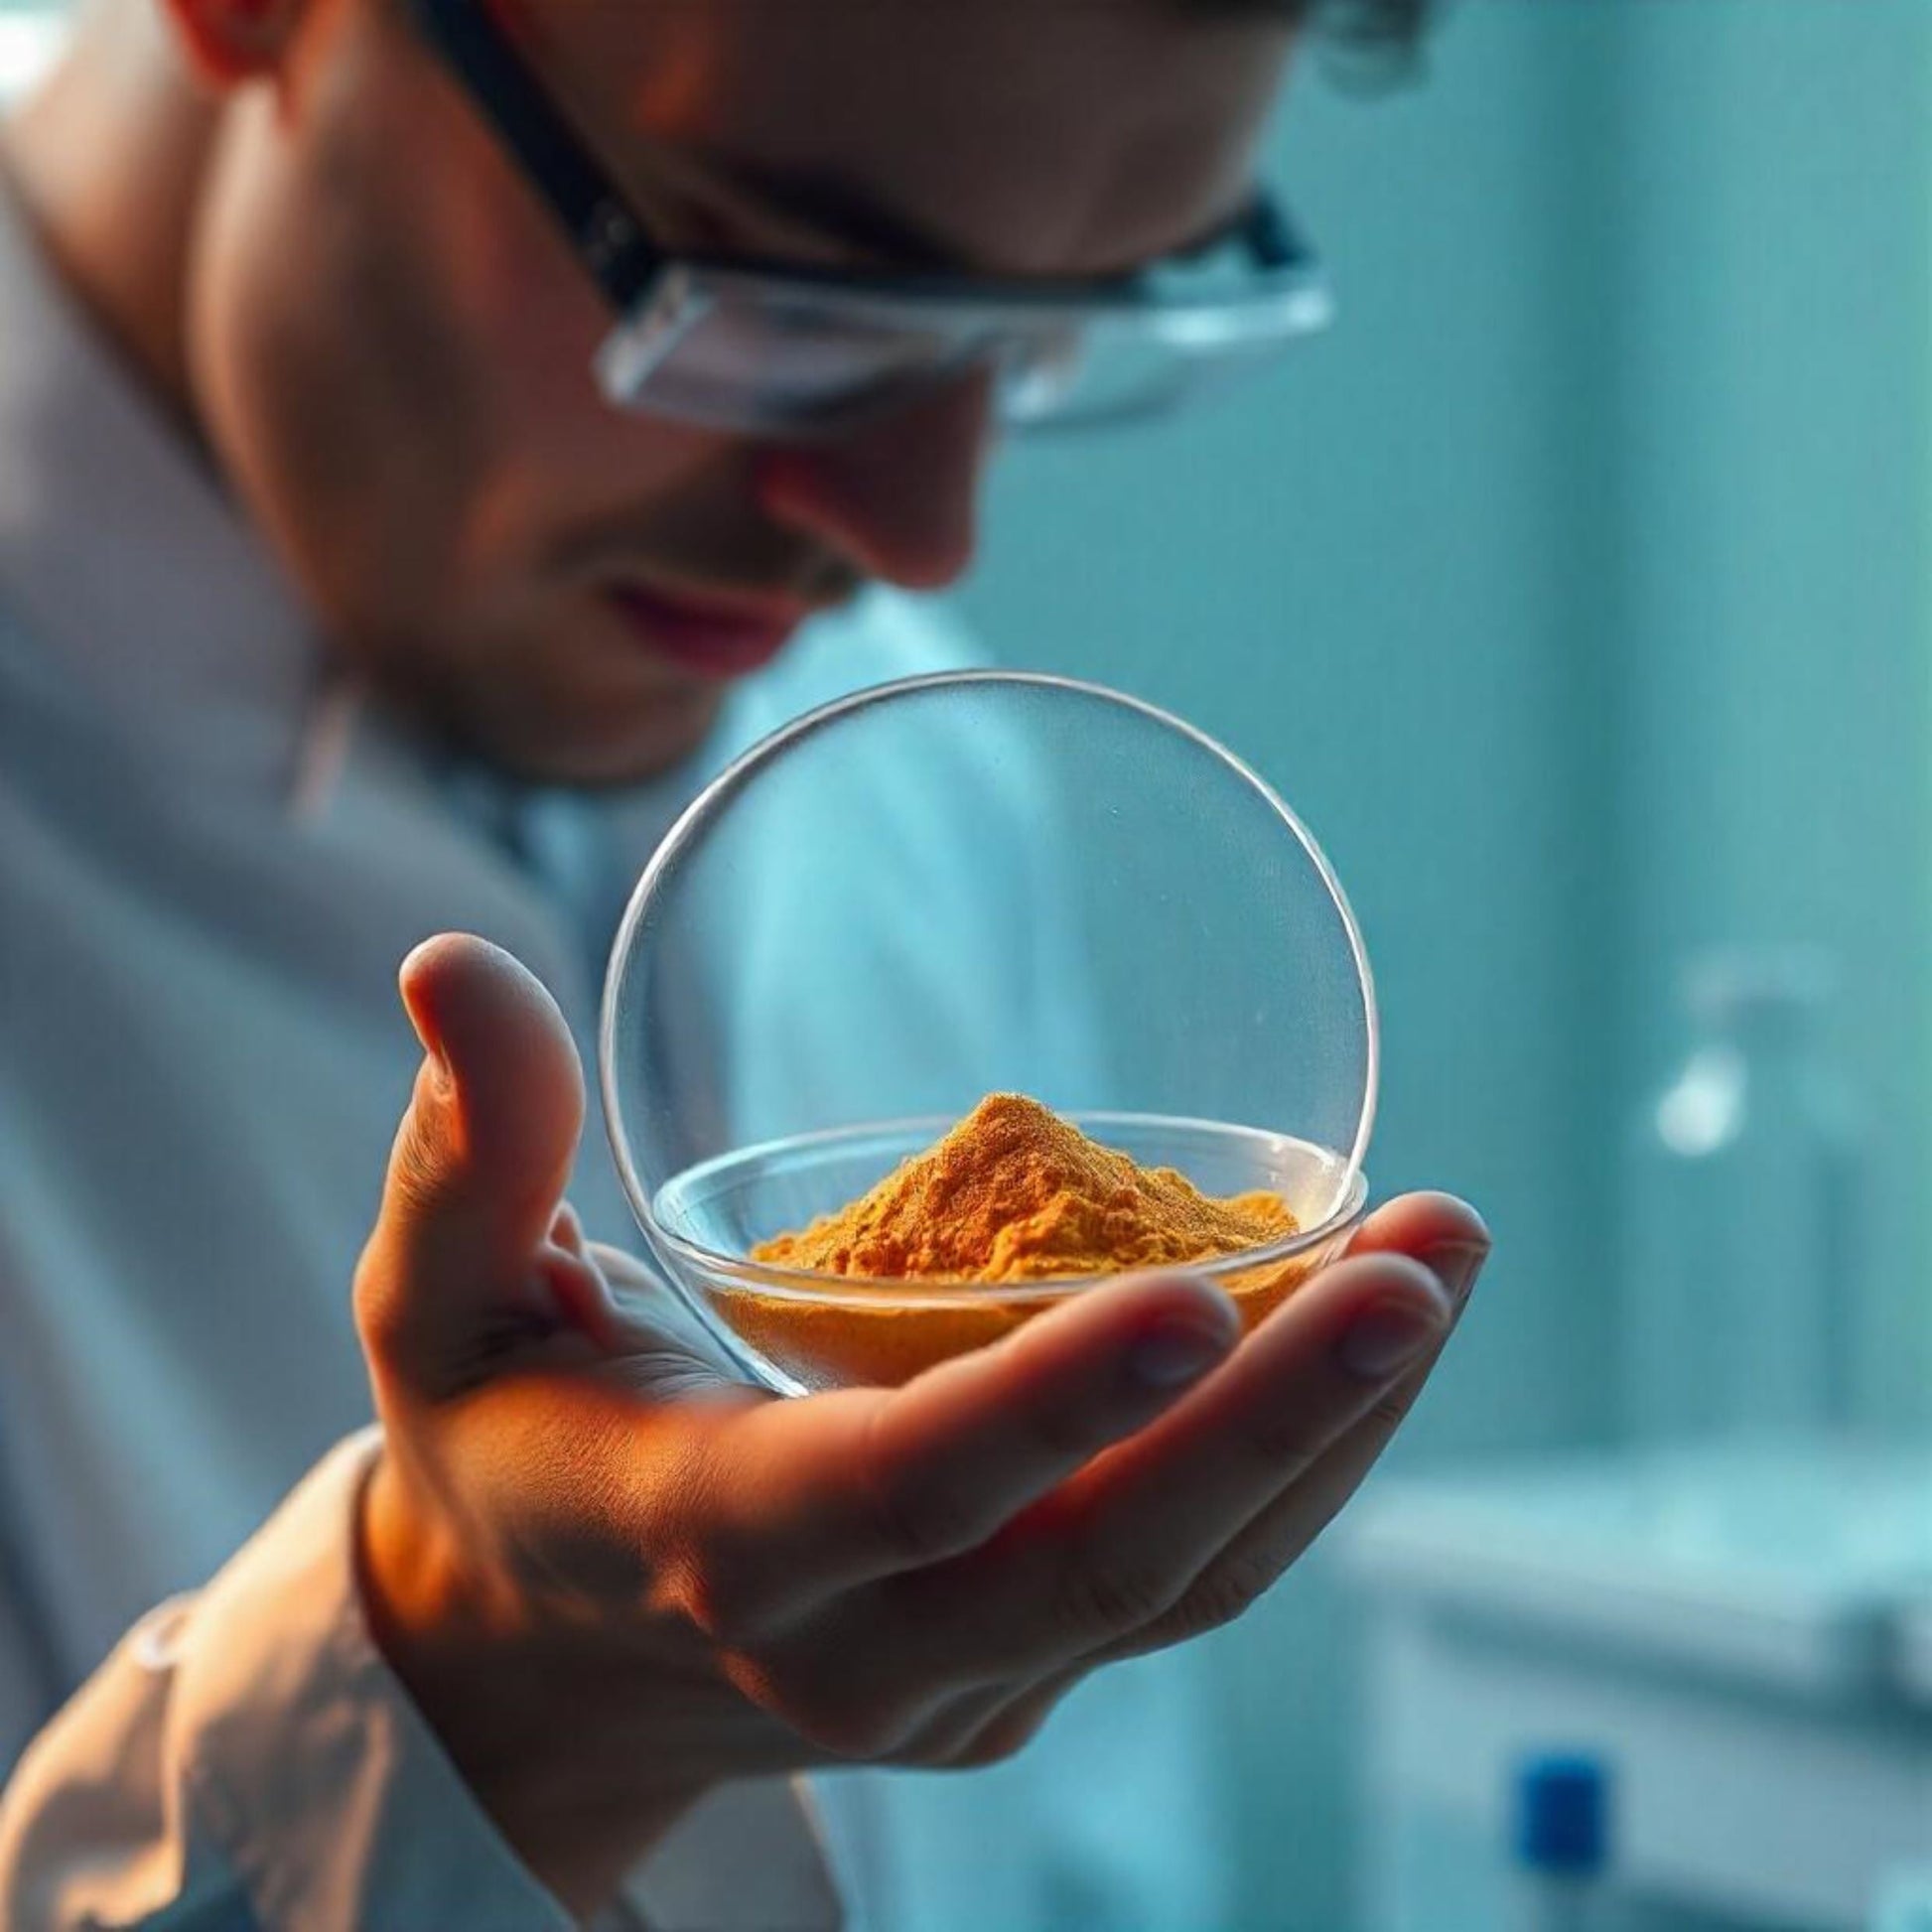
[683, 226]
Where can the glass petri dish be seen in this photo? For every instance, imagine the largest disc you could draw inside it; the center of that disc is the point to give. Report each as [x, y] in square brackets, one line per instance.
[952, 886]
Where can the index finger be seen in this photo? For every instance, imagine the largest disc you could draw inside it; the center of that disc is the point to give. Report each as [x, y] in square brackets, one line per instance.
[810, 1497]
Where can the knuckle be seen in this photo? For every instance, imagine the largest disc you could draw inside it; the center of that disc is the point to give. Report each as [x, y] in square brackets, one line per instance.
[856, 1716]
[728, 1593]
[1295, 1441]
[934, 1521]
[1067, 1431]
[1391, 1408]
[1227, 1591]
[1291, 1440]
[721, 1605]
[856, 1729]
[991, 1747]
[935, 1747]
[722, 1585]
[915, 1520]
[1006, 1736]
[1108, 1598]
[1045, 1416]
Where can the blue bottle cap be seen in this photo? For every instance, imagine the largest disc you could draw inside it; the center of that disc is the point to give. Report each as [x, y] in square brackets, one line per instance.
[1563, 1814]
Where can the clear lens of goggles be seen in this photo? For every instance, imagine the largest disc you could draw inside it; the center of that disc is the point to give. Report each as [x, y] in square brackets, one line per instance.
[751, 353]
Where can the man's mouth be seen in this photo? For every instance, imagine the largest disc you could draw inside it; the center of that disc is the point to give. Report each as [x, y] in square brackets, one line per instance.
[718, 634]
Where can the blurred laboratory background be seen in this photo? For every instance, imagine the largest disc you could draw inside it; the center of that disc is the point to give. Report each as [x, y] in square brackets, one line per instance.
[1576, 589]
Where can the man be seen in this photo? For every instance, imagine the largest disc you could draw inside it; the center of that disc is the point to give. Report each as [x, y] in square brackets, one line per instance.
[422, 427]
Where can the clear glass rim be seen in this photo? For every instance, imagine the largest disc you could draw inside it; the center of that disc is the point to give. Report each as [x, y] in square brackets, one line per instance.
[715, 796]
[814, 1285]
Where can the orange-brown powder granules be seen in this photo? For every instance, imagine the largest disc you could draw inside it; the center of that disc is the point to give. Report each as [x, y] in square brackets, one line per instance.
[1014, 1194]
[1012, 1198]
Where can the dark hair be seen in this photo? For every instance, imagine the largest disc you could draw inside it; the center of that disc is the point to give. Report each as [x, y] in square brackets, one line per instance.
[1387, 26]
[1362, 45]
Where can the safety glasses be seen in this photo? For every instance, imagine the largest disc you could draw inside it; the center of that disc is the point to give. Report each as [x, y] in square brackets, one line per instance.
[771, 349]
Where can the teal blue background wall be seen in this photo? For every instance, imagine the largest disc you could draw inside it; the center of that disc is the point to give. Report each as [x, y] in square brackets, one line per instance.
[1576, 590]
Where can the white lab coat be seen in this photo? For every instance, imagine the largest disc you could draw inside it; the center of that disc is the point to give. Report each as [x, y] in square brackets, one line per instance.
[210, 863]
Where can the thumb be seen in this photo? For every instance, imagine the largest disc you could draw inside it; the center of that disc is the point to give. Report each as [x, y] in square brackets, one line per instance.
[477, 1172]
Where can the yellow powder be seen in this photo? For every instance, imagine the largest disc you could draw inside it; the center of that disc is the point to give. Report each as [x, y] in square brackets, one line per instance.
[1014, 1194]
[1012, 1197]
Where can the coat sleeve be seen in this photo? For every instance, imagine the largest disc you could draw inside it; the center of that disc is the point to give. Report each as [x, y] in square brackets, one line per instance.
[245, 1759]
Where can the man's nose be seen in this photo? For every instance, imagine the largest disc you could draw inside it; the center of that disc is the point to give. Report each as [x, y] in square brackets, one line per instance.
[898, 499]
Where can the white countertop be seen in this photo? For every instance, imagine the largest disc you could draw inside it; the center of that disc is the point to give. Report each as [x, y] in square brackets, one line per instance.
[1806, 1565]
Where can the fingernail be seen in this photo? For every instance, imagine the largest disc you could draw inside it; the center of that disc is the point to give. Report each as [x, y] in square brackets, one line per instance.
[1457, 1268]
[1387, 1336]
[1174, 1354]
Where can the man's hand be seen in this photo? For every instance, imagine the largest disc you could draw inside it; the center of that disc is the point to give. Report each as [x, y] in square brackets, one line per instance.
[613, 1576]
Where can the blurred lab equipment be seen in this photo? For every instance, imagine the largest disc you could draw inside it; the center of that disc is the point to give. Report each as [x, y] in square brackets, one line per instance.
[1733, 1609]
[1562, 1833]
[1741, 1207]
[1743, 1632]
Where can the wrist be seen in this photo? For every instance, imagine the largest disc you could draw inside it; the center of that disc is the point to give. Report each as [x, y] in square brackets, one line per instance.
[572, 1785]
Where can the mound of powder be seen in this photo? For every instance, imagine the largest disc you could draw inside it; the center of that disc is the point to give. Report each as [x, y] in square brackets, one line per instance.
[1015, 1193]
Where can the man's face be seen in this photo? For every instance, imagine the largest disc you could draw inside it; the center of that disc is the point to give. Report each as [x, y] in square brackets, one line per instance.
[391, 345]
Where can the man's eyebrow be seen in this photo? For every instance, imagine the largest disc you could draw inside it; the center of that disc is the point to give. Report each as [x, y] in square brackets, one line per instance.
[854, 217]
[844, 212]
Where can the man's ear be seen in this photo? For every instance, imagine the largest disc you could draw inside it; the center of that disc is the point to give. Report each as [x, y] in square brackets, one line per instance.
[232, 40]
